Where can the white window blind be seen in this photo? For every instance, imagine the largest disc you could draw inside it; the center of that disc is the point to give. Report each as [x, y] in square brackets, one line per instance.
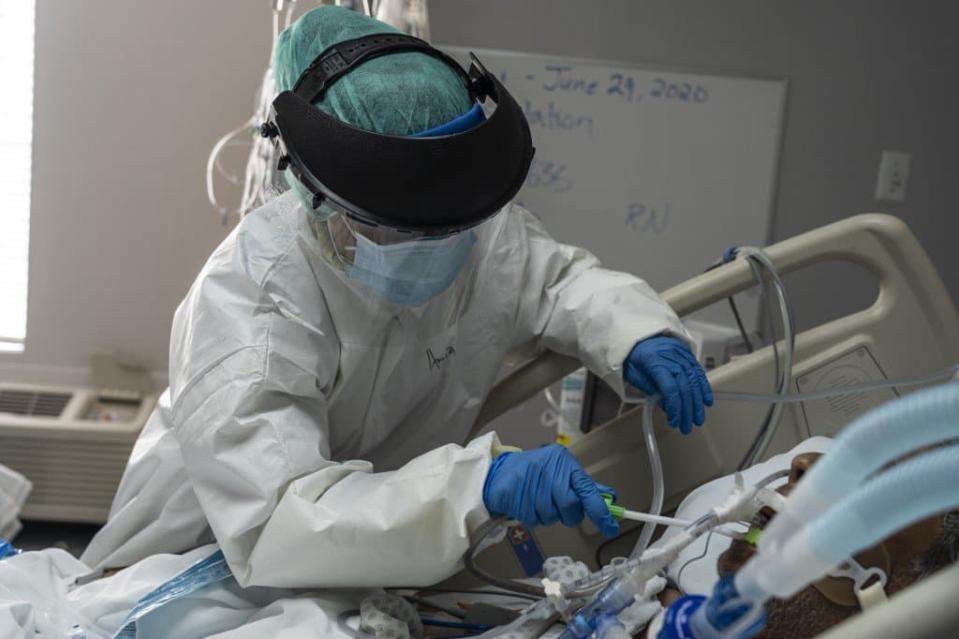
[16, 130]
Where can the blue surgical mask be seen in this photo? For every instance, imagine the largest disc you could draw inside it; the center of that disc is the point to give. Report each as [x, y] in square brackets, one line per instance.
[410, 273]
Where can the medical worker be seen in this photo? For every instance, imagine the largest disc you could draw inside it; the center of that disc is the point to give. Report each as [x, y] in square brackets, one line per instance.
[336, 348]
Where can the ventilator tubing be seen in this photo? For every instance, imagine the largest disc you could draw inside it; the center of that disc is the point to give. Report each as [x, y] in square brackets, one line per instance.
[880, 436]
[906, 493]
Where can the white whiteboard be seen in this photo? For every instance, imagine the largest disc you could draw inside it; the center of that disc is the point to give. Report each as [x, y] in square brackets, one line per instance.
[655, 172]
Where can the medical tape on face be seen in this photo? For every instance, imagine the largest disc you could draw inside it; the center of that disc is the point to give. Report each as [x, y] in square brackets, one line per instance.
[205, 572]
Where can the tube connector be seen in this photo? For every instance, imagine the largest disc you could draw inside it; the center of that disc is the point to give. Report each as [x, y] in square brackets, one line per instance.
[612, 600]
[739, 505]
[556, 595]
[614, 509]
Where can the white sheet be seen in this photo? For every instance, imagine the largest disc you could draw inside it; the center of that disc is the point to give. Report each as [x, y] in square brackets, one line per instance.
[37, 601]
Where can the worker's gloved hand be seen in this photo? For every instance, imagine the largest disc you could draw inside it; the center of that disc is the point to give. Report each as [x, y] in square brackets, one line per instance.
[540, 487]
[665, 366]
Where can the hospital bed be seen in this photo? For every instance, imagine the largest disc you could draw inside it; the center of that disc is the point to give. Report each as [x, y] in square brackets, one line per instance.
[911, 328]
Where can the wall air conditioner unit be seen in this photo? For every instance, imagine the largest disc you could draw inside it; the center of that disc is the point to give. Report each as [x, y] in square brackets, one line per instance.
[72, 443]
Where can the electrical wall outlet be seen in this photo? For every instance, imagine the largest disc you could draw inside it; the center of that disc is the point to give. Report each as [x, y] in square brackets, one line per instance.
[893, 176]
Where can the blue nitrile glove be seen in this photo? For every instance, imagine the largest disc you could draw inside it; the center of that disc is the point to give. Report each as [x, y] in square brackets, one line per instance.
[540, 487]
[665, 366]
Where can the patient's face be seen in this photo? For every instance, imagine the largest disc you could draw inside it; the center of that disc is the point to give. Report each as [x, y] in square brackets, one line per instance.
[905, 557]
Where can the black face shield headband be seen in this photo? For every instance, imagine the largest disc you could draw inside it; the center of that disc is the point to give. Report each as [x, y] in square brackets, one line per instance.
[431, 185]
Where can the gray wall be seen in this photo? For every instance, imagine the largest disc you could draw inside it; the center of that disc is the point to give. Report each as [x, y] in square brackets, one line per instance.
[129, 99]
[130, 96]
[864, 75]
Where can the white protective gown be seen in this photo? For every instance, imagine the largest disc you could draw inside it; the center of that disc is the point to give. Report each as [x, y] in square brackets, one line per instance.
[312, 429]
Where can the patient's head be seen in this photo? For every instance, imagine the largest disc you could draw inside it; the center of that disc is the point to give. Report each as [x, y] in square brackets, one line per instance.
[906, 557]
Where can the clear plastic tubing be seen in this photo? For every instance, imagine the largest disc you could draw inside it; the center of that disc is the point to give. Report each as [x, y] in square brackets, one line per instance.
[923, 418]
[758, 256]
[906, 493]
[656, 468]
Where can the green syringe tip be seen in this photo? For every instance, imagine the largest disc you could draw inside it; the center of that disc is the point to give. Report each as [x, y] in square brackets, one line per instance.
[616, 511]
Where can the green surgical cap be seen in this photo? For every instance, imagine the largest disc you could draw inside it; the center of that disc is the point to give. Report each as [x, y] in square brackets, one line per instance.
[395, 94]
